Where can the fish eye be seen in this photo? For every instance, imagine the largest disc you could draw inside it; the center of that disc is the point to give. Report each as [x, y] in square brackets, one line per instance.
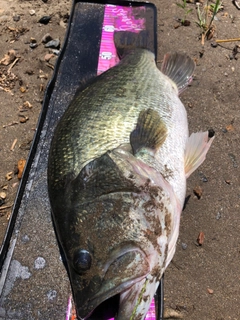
[82, 260]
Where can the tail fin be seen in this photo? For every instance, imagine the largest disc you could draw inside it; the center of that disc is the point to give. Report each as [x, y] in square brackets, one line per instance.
[126, 41]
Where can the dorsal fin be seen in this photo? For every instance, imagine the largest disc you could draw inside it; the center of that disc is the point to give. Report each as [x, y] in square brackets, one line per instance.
[150, 131]
[179, 68]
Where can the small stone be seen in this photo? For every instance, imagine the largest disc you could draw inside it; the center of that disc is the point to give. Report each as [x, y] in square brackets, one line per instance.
[218, 216]
[33, 45]
[16, 17]
[3, 195]
[32, 12]
[198, 192]
[23, 89]
[214, 44]
[25, 238]
[46, 38]
[211, 133]
[27, 104]
[203, 177]
[23, 118]
[44, 20]
[210, 291]
[39, 263]
[51, 294]
[21, 165]
[200, 238]
[229, 128]
[56, 52]
[9, 176]
[184, 246]
[53, 44]
[48, 56]
[63, 24]
[8, 58]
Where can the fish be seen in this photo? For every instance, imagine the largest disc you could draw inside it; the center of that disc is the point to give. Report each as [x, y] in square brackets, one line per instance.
[117, 171]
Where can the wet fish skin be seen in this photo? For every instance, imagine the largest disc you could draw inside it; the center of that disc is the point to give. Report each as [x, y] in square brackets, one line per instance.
[135, 245]
[106, 112]
[114, 194]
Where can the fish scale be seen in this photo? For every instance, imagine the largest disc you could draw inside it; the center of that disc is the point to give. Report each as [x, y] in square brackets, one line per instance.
[99, 115]
[117, 173]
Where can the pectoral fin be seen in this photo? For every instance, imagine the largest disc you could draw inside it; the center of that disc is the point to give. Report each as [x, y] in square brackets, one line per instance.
[150, 131]
[195, 153]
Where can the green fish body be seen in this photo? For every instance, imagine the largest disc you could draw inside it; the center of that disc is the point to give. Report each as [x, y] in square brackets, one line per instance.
[117, 173]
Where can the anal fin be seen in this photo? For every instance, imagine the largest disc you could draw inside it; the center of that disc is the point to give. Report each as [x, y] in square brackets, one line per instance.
[196, 149]
[150, 131]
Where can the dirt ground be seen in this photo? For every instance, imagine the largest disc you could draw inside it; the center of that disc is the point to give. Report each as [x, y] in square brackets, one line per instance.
[202, 282]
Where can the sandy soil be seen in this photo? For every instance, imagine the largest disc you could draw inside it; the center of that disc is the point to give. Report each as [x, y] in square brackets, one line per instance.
[202, 282]
[22, 86]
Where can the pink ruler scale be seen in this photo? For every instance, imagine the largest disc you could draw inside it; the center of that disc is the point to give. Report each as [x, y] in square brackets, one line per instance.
[71, 312]
[116, 18]
[151, 312]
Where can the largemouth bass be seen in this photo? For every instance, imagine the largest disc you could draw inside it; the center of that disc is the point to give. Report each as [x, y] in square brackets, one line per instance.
[117, 173]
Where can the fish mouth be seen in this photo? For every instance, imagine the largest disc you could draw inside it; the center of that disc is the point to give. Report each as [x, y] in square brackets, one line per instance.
[121, 280]
[110, 305]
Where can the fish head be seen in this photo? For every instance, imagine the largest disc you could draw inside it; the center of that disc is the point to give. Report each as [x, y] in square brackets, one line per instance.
[107, 263]
[106, 286]
[113, 270]
[117, 247]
